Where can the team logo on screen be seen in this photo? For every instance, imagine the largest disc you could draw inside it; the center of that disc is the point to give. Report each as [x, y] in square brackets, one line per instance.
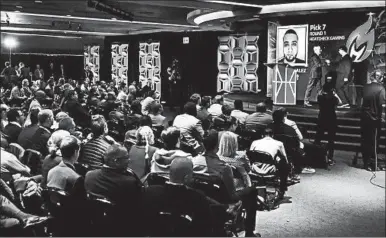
[360, 43]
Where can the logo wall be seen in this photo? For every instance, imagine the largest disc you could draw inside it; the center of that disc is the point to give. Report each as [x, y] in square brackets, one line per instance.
[360, 43]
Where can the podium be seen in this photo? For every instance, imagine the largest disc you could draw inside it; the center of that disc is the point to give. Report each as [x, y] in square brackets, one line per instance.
[283, 84]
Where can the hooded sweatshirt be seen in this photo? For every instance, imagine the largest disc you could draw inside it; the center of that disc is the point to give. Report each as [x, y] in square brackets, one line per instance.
[163, 158]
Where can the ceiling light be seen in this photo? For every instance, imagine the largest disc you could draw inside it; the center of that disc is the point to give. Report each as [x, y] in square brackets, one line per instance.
[26, 29]
[68, 15]
[234, 3]
[20, 7]
[38, 1]
[10, 42]
[114, 18]
[213, 16]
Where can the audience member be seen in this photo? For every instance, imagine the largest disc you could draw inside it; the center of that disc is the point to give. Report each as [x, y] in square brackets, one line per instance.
[25, 138]
[190, 128]
[276, 149]
[13, 128]
[43, 133]
[196, 99]
[93, 151]
[211, 164]
[55, 155]
[141, 153]
[3, 115]
[162, 158]
[228, 152]
[63, 176]
[259, 120]
[156, 117]
[215, 108]
[238, 111]
[148, 101]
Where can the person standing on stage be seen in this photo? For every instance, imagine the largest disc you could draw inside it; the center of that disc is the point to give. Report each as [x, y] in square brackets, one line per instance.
[343, 77]
[371, 118]
[327, 121]
[315, 75]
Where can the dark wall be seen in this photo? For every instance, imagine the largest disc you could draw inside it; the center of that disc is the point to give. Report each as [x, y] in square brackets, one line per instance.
[33, 49]
[198, 59]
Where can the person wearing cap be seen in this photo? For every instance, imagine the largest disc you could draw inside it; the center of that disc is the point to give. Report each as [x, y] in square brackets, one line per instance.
[116, 182]
[63, 176]
[215, 108]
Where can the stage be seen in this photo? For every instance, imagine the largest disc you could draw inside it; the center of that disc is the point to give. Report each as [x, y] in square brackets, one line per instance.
[348, 135]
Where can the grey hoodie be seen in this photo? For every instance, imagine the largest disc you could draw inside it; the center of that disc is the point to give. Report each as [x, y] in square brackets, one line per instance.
[162, 159]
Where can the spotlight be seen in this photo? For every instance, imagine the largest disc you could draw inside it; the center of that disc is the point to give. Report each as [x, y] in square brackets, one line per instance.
[10, 43]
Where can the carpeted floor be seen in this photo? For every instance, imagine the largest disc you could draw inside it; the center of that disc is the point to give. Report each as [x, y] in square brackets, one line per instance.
[340, 202]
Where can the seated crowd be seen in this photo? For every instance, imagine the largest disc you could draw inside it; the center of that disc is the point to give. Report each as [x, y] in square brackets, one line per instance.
[85, 141]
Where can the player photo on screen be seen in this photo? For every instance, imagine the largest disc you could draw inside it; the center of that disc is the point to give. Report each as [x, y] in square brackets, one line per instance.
[292, 45]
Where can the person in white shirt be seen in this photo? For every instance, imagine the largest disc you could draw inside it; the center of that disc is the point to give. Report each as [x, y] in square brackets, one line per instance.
[215, 108]
[238, 112]
[146, 103]
[276, 149]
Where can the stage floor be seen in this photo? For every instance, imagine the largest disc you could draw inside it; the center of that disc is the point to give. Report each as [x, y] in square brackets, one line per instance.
[250, 100]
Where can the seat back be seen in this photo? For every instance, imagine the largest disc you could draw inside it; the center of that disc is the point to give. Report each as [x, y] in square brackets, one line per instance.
[16, 150]
[291, 143]
[212, 186]
[171, 224]
[263, 165]
[156, 179]
[55, 201]
[157, 130]
[33, 159]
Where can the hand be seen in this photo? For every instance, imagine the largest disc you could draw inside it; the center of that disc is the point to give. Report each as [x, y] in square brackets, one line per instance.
[345, 79]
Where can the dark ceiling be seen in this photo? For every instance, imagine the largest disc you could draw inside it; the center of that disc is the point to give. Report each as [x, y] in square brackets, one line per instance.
[77, 18]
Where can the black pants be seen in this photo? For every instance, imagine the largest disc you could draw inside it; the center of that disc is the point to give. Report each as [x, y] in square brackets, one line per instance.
[312, 83]
[248, 197]
[370, 133]
[284, 170]
[342, 91]
[331, 132]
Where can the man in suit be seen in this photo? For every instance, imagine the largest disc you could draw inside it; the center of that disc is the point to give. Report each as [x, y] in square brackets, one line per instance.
[7, 72]
[13, 128]
[43, 134]
[290, 48]
[62, 73]
[343, 77]
[315, 75]
[24, 71]
[121, 186]
[88, 74]
[51, 71]
[39, 73]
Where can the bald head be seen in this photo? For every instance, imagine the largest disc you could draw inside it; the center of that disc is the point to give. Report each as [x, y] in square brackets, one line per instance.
[181, 170]
[117, 157]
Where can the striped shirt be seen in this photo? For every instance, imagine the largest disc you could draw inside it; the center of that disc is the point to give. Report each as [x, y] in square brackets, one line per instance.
[93, 152]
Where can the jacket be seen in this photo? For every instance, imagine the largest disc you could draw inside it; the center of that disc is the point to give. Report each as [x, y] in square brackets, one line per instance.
[316, 67]
[344, 68]
[162, 159]
[191, 130]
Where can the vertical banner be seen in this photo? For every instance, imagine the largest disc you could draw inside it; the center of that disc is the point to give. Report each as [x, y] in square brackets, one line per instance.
[92, 59]
[284, 85]
[271, 58]
[150, 66]
[119, 63]
[237, 62]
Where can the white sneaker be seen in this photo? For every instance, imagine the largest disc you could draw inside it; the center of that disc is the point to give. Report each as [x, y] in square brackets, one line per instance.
[308, 170]
[344, 106]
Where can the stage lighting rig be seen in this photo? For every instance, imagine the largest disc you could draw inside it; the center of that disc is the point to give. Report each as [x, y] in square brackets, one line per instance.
[100, 5]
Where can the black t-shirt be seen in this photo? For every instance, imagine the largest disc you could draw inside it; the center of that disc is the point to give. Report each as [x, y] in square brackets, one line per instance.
[327, 103]
[373, 98]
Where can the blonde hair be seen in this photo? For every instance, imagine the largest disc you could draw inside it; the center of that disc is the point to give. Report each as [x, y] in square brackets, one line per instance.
[228, 145]
[145, 136]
